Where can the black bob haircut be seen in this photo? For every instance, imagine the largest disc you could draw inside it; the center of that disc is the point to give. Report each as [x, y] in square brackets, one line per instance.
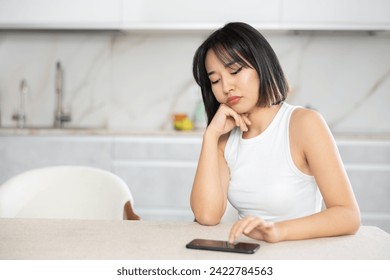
[241, 43]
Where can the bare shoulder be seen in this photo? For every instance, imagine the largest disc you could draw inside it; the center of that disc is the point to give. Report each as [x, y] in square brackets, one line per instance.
[309, 128]
[306, 116]
[307, 121]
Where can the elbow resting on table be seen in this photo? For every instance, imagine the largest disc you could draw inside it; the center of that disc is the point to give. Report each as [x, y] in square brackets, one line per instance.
[355, 222]
[352, 221]
[206, 220]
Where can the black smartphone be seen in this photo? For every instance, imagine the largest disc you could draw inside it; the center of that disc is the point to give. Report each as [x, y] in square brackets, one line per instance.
[225, 246]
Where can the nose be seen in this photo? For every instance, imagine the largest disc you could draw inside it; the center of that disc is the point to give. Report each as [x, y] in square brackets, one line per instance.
[227, 85]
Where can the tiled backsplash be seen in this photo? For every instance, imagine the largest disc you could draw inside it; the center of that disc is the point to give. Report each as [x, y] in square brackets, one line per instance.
[135, 81]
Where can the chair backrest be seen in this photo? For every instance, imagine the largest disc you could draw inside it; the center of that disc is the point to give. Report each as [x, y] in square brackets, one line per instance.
[68, 192]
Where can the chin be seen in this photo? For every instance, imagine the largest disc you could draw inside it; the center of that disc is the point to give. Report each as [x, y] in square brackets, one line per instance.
[239, 109]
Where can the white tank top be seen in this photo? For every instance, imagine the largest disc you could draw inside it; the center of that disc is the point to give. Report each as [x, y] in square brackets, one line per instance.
[264, 180]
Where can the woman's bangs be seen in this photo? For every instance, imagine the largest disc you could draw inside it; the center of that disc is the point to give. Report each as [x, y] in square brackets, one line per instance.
[228, 55]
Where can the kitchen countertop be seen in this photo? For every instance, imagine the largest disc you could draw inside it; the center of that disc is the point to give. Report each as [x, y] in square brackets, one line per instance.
[48, 239]
[91, 131]
[94, 132]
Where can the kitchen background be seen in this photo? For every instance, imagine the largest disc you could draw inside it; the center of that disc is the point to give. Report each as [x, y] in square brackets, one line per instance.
[127, 70]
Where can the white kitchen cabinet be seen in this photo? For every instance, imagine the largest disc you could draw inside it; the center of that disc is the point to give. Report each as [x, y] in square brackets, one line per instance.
[335, 14]
[262, 14]
[60, 14]
[367, 162]
[22, 153]
[199, 14]
[195, 15]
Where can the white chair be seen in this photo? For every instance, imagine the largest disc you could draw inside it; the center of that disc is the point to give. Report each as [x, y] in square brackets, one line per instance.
[66, 192]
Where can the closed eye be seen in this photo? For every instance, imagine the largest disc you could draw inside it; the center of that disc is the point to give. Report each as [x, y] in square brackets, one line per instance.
[214, 82]
[236, 71]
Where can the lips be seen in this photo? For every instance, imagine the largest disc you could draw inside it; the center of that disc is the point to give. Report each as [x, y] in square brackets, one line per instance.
[233, 100]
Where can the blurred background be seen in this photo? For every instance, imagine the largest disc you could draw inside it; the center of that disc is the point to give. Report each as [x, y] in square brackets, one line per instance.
[98, 82]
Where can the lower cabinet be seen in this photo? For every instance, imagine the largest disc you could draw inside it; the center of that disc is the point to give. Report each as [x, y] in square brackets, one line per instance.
[367, 162]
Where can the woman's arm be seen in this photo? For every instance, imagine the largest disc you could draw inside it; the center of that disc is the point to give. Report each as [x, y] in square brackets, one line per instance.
[209, 191]
[318, 149]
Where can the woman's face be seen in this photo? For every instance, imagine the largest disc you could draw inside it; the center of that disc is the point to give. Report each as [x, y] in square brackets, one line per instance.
[233, 84]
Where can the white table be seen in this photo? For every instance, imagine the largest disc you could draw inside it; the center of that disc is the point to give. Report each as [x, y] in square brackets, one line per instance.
[35, 239]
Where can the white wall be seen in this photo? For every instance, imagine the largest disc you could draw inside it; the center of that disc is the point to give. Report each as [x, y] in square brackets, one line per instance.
[135, 81]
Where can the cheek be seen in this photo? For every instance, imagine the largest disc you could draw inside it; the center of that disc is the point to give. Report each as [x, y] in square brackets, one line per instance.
[252, 83]
[251, 78]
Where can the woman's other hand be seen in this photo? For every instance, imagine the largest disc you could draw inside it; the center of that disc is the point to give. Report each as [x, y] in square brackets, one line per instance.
[256, 228]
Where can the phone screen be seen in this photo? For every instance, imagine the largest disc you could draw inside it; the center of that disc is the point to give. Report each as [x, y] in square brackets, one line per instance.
[219, 245]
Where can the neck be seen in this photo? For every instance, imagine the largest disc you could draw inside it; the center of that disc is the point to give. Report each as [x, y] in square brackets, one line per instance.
[261, 118]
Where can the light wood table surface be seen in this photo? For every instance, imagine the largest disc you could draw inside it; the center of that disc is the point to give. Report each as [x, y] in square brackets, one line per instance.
[37, 239]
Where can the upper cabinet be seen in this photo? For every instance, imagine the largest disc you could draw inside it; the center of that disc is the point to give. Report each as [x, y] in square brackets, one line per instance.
[199, 14]
[60, 14]
[335, 14]
[195, 14]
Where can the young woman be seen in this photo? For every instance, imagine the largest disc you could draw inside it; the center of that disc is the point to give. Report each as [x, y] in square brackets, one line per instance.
[276, 163]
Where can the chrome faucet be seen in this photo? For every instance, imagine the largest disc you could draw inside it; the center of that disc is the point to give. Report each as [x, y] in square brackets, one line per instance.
[60, 116]
[20, 115]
